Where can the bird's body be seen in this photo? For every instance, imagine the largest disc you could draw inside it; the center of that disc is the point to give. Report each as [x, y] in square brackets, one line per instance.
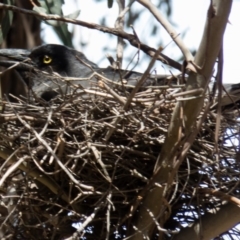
[66, 67]
[59, 60]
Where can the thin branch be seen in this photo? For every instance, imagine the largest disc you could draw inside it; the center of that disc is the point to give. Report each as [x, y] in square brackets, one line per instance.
[212, 224]
[205, 57]
[130, 37]
[119, 24]
[169, 28]
[35, 174]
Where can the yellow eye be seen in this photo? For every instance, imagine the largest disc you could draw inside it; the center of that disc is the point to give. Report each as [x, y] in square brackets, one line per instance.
[47, 59]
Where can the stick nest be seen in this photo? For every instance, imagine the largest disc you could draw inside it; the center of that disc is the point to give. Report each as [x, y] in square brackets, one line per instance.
[86, 158]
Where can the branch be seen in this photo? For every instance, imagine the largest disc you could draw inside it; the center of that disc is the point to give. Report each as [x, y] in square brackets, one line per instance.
[169, 28]
[185, 114]
[212, 224]
[119, 24]
[9, 156]
[119, 33]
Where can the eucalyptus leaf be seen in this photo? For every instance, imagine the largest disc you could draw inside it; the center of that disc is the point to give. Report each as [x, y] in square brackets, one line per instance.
[73, 15]
[50, 7]
[39, 9]
[60, 28]
[54, 23]
[54, 6]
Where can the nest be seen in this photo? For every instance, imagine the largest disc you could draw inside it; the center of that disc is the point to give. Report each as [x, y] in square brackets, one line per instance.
[77, 164]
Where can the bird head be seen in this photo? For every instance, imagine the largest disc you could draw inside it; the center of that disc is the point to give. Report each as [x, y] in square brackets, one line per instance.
[65, 61]
[69, 63]
[51, 58]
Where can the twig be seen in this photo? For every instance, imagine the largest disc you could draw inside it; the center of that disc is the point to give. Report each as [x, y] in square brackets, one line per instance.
[119, 24]
[171, 31]
[130, 37]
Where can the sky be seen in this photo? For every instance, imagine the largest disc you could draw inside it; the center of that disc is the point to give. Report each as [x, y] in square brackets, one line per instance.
[188, 15]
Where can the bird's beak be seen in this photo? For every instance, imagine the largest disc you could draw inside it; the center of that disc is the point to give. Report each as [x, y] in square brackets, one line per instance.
[15, 54]
[15, 57]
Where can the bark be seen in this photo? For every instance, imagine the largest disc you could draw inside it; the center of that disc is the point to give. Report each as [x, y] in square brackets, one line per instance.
[212, 225]
[152, 208]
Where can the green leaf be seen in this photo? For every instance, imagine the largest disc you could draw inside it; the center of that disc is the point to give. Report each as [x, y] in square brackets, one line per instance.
[39, 9]
[73, 15]
[61, 28]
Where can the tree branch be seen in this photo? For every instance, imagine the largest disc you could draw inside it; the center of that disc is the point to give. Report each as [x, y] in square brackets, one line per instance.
[169, 28]
[130, 37]
[212, 224]
[184, 115]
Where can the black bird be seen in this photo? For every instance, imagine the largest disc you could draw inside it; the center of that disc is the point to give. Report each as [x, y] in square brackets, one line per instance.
[61, 61]
[66, 62]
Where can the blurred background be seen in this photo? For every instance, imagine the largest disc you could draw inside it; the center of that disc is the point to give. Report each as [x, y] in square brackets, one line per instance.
[188, 17]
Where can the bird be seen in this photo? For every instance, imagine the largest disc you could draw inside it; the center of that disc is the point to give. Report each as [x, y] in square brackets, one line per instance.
[62, 61]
